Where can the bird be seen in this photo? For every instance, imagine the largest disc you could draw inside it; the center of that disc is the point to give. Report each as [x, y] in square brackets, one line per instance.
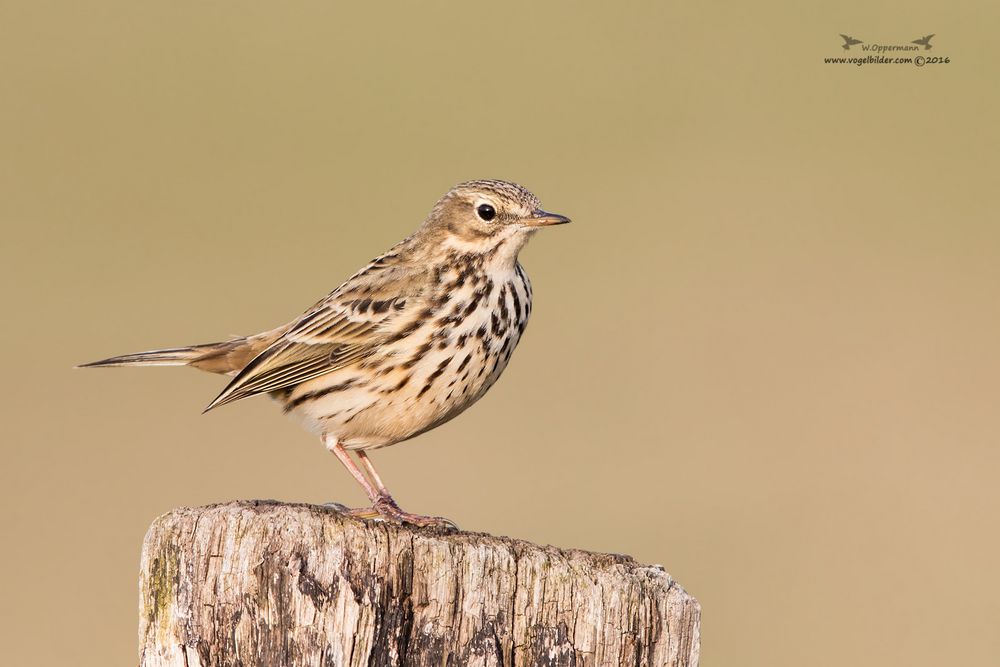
[404, 345]
[849, 41]
[924, 42]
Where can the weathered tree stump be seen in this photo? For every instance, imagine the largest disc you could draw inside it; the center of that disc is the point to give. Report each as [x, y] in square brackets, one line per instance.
[271, 584]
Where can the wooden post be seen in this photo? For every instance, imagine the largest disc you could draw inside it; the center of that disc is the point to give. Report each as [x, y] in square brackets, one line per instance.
[263, 583]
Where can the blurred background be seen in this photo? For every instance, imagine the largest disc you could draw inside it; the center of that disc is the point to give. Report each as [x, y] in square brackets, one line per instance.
[764, 355]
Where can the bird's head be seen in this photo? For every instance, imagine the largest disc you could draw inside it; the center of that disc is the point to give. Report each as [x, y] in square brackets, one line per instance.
[480, 216]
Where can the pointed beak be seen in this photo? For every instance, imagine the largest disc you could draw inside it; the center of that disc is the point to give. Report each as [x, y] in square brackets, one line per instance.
[542, 218]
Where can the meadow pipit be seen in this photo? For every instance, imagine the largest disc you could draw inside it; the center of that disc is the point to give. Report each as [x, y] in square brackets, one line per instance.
[404, 345]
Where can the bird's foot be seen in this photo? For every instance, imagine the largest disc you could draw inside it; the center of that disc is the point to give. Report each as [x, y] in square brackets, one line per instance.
[386, 508]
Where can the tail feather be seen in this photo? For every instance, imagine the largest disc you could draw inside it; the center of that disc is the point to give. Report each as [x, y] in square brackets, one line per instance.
[225, 358]
[172, 356]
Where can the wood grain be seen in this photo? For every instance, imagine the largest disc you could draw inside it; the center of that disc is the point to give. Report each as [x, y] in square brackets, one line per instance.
[265, 583]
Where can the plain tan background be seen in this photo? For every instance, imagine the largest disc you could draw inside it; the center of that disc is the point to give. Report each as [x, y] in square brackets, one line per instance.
[765, 355]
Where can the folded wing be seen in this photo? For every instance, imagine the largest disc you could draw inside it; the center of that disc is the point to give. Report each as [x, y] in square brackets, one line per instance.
[384, 299]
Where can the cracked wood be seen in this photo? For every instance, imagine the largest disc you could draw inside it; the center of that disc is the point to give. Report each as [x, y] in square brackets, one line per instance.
[264, 583]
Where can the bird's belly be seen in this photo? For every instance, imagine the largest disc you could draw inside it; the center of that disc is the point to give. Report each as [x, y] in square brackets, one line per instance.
[414, 384]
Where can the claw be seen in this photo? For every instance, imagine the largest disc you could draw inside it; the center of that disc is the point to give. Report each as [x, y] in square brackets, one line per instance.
[386, 509]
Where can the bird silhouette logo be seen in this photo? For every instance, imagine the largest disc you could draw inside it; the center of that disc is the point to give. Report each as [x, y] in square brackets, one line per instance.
[849, 41]
[924, 42]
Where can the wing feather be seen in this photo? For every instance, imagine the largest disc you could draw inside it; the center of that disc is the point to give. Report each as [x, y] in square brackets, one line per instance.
[344, 328]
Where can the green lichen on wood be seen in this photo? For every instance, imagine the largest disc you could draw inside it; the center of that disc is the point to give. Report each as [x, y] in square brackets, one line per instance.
[161, 584]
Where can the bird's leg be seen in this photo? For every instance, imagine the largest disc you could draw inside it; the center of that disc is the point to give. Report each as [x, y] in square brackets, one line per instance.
[370, 467]
[338, 450]
[383, 503]
[387, 506]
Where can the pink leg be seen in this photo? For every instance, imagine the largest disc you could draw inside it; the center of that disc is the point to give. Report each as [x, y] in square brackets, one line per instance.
[345, 458]
[388, 508]
[382, 503]
[367, 463]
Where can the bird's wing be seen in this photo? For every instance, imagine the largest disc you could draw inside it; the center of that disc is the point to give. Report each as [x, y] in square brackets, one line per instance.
[846, 38]
[383, 301]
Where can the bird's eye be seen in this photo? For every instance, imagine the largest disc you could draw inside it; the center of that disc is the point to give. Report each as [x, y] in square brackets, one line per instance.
[486, 212]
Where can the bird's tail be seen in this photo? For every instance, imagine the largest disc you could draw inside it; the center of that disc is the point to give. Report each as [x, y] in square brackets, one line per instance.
[226, 357]
[171, 356]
